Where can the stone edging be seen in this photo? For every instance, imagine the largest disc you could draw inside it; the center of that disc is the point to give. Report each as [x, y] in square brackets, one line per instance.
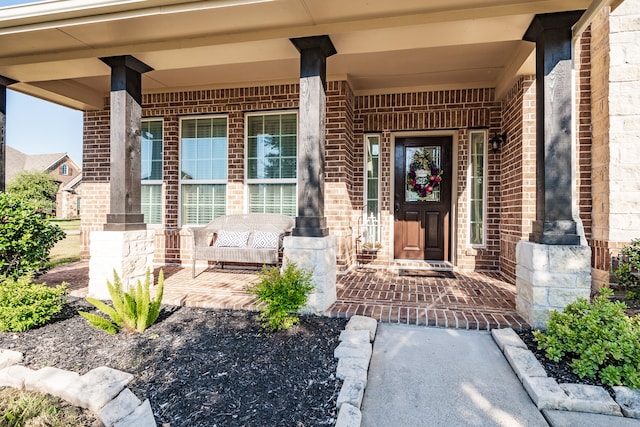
[354, 354]
[546, 393]
[101, 390]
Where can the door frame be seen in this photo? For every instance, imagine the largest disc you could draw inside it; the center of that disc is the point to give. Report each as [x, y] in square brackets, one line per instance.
[453, 226]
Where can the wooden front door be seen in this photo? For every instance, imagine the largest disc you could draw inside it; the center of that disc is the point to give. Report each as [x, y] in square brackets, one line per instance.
[423, 198]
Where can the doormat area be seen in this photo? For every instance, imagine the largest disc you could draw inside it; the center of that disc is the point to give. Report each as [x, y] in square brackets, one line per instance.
[435, 274]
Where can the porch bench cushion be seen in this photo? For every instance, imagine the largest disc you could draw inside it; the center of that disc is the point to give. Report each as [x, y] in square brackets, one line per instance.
[247, 238]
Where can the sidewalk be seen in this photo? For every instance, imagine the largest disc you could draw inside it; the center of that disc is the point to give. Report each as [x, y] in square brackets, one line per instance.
[443, 377]
[421, 376]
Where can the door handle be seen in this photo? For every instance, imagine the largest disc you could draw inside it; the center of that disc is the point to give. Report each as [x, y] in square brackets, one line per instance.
[396, 207]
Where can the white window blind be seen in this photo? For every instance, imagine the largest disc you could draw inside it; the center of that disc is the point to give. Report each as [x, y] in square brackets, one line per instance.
[203, 169]
[271, 162]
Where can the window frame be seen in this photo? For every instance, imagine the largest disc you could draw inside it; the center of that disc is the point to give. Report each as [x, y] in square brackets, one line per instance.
[218, 181]
[365, 194]
[64, 170]
[155, 182]
[257, 181]
[470, 192]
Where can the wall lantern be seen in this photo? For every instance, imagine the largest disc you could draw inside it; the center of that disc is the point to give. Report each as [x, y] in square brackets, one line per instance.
[497, 141]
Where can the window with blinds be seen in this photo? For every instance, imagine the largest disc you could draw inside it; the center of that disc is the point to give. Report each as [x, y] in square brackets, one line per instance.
[151, 171]
[272, 162]
[477, 188]
[203, 169]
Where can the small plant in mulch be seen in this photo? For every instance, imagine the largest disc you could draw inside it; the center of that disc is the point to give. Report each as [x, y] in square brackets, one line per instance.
[25, 305]
[132, 311]
[598, 339]
[283, 293]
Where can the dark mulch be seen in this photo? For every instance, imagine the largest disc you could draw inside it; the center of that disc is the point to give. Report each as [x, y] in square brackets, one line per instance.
[202, 367]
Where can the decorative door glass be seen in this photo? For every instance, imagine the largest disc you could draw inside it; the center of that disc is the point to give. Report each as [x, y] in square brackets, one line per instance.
[423, 174]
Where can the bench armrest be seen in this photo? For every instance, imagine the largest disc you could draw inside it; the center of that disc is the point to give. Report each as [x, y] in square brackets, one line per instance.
[202, 236]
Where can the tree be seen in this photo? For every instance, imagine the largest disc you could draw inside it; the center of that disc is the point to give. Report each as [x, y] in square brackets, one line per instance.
[37, 188]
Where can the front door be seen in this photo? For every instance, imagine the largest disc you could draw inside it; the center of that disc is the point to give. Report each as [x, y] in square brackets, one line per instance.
[423, 198]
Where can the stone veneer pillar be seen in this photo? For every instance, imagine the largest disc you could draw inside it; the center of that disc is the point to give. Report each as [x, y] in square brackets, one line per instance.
[552, 269]
[125, 246]
[311, 246]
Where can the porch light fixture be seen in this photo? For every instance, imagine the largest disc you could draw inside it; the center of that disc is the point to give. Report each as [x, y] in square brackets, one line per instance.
[496, 142]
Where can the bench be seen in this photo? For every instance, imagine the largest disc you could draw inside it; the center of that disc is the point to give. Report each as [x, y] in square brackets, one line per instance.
[247, 238]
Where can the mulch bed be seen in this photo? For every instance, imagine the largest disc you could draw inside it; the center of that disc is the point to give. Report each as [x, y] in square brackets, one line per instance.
[203, 367]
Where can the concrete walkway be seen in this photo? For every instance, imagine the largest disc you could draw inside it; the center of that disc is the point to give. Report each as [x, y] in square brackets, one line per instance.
[443, 377]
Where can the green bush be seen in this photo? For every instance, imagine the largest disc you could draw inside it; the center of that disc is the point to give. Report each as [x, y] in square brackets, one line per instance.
[25, 305]
[283, 294]
[628, 269]
[598, 338]
[26, 237]
[131, 311]
[39, 189]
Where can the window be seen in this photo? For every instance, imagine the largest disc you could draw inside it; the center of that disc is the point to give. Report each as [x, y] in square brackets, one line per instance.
[151, 171]
[64, 170]
[477, 188]
[272, 162]
[371, 232]
[203, 169]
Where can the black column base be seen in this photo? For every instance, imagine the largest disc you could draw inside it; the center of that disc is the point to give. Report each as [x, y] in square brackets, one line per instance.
[311, 226]
[563, 232]
[125, 222]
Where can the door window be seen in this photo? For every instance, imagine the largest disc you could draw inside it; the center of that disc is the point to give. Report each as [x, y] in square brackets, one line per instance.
[423, 173]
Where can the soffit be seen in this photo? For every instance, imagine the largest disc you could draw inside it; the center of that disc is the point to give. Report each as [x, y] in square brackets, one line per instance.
[382, 45]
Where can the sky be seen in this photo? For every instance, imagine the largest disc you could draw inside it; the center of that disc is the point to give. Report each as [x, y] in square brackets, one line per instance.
[35, 126]
[40, 127]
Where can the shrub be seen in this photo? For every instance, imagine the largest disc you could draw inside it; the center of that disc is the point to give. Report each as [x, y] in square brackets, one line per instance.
[25, 305]
[26, 237]
[39, 189]
[131, 311]
[628, 269]
[284, 294]
[598, 338]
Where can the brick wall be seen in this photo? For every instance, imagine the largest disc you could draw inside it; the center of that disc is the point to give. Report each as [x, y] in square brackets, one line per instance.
[426, 111]
[339, 164]
[518, 167]
[348, 118]
[172, 243]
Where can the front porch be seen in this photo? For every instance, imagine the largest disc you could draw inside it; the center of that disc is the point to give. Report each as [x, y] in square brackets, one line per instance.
[468, 301]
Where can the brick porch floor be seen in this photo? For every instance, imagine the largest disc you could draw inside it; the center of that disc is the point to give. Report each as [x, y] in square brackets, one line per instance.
[469, 301]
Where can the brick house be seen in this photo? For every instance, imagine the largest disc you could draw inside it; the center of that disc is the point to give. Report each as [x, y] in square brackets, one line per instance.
[331, 111]
[61, 167]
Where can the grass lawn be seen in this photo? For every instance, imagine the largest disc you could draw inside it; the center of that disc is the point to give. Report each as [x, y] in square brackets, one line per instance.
[65, 251]
[67, 224]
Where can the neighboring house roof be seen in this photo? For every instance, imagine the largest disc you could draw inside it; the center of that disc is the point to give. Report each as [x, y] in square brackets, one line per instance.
[73, 184]
[17, 161]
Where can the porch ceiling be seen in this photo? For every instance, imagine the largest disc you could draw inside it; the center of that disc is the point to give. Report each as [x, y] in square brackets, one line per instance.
[52, 48]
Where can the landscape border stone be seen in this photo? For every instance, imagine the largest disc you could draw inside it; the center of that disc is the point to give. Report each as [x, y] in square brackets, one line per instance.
[547, 394]
[101, 390]
[354, 355]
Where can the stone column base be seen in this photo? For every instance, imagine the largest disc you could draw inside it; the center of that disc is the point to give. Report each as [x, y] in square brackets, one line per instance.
[129, 253]
[549, 277]
[317, 254]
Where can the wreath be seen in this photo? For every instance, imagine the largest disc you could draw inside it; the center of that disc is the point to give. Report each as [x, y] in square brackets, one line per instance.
[424, 175]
